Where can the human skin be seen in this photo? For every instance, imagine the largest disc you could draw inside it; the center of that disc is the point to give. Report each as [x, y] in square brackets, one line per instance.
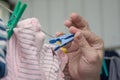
[85, 52]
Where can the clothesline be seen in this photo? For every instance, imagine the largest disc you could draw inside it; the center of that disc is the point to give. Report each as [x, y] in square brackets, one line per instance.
[6, 8]
[23, 18]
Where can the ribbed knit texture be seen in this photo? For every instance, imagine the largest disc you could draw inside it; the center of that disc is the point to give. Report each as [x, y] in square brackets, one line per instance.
[28, 58]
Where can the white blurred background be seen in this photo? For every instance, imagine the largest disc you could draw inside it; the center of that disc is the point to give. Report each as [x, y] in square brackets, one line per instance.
[102, 15]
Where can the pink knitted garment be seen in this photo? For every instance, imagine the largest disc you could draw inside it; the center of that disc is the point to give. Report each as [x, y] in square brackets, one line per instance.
[28, 58]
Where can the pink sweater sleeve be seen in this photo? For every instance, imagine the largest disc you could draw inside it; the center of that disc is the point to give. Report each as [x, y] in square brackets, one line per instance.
[29, 59]
[23, 50]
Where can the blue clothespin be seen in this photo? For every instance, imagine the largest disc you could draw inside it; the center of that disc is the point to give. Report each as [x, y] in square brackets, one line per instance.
[15, 17]
[62, 39]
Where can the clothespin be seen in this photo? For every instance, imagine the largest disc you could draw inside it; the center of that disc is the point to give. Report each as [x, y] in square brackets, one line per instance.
[65, 39]
[15, 17]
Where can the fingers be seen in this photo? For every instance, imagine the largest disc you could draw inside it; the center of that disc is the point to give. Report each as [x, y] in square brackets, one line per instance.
[79, 42]
[87, 40]
[73, 30]
[95, 42]
[68, 23]
[77, 21]
[80, 39]
[87, 51]
[59, 34]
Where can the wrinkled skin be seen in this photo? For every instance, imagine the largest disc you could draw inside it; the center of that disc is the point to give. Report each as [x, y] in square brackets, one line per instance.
[85, 52]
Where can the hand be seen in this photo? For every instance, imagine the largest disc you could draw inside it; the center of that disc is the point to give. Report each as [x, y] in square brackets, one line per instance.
[85, 52]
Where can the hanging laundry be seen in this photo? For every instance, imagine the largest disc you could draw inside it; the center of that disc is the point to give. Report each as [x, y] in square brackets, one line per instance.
[110, 54]
[31, 58]
[3, 38]
[115, 69]
[22, 52]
